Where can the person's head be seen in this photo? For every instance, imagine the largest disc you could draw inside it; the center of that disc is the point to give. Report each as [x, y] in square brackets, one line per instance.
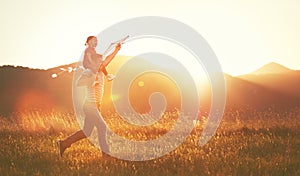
[91, 41]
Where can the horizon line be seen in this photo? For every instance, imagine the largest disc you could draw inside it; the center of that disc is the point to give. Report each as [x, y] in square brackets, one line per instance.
[63, 65]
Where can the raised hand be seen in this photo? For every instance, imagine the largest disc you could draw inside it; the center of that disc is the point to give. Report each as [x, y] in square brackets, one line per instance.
[118, 47]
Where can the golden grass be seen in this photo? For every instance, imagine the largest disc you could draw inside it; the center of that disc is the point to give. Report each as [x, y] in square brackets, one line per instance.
[51, 121]
[248, 142]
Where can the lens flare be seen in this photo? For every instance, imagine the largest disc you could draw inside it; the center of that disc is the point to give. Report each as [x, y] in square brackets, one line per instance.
[141, 83]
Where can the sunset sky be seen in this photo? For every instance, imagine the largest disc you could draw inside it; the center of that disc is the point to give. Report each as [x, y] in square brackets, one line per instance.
[244, 34]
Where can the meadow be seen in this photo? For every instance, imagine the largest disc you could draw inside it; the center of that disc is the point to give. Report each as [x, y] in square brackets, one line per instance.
[247, 142]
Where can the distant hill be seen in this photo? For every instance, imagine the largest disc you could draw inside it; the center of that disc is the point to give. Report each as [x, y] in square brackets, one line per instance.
[32, 89]
[271, 68]
[249, 92]
[24, 89]
[272, 85]
[286, 83]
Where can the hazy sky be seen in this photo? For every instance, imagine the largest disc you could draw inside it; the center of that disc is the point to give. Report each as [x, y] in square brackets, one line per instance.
[244, 34]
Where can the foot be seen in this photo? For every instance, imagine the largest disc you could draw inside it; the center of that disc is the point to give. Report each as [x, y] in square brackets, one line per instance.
[110, 77]
[61, 148]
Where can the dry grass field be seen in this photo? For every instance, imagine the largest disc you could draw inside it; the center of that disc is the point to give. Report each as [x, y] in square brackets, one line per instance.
[248, 142]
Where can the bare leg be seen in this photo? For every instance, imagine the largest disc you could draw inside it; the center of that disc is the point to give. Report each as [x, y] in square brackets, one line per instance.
[109, 77]
[103, 69]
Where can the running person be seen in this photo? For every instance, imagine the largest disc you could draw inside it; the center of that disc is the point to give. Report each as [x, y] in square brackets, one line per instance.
[93, 117]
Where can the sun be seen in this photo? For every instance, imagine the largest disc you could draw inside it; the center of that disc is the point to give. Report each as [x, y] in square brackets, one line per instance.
[141, 83]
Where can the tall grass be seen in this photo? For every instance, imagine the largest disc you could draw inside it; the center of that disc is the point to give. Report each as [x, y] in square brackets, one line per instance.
[248, 142]
[41, 121]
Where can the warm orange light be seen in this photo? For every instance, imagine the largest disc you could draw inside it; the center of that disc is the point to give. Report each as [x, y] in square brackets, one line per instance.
[33, 100]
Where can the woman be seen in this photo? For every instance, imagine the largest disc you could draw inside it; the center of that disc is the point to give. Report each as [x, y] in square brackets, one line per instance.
[93, 117]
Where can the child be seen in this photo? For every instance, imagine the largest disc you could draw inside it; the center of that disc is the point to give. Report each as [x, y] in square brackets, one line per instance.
[92, 60]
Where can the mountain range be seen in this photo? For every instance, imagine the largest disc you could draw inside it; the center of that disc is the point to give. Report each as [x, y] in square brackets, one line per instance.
[22, 89]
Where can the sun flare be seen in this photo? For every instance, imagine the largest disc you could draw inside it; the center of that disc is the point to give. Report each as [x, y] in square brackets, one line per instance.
[141, 83]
